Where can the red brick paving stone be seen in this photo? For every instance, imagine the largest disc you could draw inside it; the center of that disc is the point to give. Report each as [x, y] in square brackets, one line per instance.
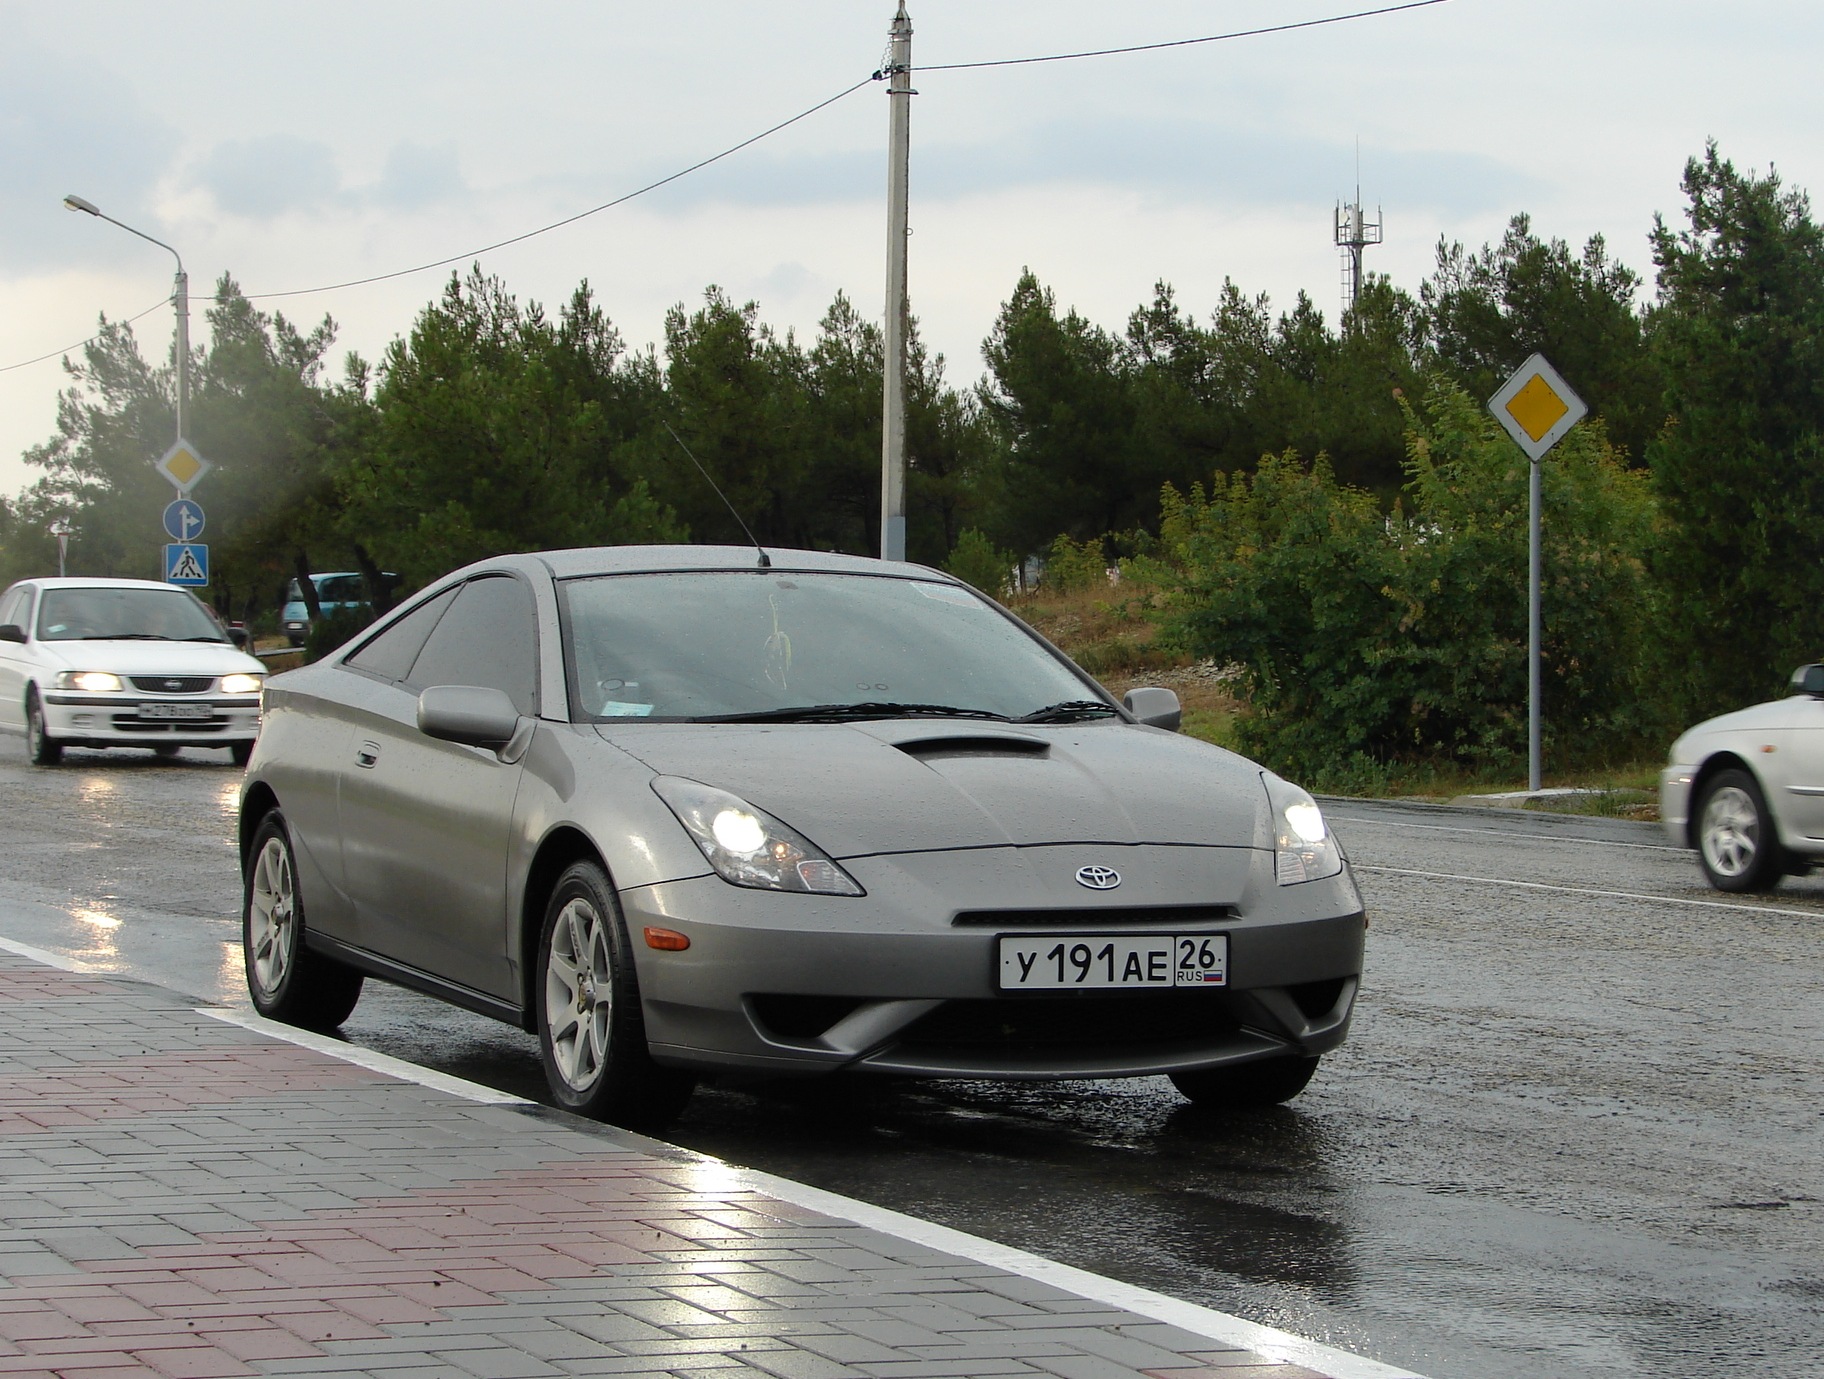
[158, 1084]
[196, 1362]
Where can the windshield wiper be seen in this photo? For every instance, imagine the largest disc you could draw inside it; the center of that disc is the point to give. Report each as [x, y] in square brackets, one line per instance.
[836, 713]
[1070, 711]
[213, 641]
[125, 637]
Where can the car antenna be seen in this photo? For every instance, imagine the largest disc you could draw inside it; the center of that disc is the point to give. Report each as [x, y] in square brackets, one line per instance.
[765, 560]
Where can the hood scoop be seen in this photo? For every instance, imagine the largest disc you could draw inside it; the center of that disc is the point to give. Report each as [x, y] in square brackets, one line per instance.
[953, 746]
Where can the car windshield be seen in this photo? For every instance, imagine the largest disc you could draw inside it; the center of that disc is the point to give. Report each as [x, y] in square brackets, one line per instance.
[773, 644]
[124, 614]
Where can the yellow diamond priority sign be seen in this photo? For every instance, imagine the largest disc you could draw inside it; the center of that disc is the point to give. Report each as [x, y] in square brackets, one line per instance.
[1536, 407]
[183, 466]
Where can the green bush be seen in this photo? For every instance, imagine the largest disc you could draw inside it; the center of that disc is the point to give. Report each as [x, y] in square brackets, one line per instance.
[977, 561]
[1070, 566]
[1373, 643]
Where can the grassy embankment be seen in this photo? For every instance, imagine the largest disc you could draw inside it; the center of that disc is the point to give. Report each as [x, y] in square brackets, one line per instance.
[1118, 646]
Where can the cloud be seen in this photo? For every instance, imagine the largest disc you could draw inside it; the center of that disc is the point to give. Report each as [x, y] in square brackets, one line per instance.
[1197, 162]
[72, 127]
[418, 175]
[268, 176]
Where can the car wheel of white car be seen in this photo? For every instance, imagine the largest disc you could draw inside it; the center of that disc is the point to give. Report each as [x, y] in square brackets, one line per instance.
[43, 749]
[1736, 840]
[1266, 1082]
[591, 1031]
[286, 980]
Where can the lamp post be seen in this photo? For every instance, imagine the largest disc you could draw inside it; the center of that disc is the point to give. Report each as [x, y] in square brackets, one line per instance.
[180, 300]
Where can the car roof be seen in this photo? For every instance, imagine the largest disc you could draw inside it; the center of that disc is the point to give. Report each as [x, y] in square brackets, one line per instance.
[619, 560]
[99, 582]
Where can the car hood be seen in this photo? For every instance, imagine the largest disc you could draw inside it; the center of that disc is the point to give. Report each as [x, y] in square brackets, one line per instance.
[904, 786]
[150, 658]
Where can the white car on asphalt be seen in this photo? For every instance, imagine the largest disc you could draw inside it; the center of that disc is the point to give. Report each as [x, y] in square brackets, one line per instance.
[122, 663]
[1747, 789]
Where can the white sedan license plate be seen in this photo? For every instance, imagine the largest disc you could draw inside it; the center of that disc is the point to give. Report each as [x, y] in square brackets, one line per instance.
[1050, 962]
[176, 711]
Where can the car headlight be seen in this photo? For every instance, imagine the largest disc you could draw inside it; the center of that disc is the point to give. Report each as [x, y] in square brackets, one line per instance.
[1303, 846]
[748, 846]
[94, 681]
[242, 684]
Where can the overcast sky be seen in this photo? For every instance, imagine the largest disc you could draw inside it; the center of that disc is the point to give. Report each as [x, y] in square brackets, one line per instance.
[296, 145]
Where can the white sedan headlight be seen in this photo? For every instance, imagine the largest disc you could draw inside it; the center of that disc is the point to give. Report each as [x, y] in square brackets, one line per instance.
[93, 681]
[748, 846]
[242, 684]
[1303, 847]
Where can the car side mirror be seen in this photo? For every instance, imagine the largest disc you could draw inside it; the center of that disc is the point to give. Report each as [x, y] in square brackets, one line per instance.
[468, 714]
[238, 635]
[12, 632]
[1155, 706]
[1809, 680]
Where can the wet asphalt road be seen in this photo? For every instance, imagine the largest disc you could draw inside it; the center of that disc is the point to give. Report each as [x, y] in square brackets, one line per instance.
[1578, 1130]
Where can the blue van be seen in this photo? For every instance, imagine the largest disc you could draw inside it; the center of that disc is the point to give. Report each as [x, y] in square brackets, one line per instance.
[334, 592]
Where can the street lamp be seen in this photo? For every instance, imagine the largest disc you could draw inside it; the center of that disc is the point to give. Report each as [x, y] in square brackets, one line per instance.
[180, 300]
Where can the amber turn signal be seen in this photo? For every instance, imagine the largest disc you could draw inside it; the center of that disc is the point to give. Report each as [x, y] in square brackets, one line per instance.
[666, 940]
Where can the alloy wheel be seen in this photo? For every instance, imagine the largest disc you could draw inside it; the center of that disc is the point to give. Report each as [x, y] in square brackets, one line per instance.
[1731, 831]
[272, 909]
[579, 994]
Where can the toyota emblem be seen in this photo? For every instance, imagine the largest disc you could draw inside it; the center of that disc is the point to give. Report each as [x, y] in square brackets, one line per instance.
[1098, 878]
[174, 684]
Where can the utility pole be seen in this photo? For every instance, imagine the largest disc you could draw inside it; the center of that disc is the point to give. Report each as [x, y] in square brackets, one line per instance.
[893, 409]
[180, 303]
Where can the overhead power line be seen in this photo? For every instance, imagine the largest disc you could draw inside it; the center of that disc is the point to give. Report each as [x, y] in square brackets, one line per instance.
[751, 140]
[1182, 42]
[83, 344]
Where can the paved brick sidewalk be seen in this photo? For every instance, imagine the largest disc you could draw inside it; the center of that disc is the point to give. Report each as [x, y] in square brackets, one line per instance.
[180, 1196]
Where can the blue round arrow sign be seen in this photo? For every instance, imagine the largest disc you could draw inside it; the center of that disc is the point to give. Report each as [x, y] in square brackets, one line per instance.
[184, 519]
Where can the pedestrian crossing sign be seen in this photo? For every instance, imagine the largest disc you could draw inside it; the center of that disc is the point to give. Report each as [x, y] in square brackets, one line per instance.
[187, 563]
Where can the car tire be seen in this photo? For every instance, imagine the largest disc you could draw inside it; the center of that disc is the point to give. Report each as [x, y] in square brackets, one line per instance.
[1266, 1082]
[286, 980]
[242, 752]
[43, 749]
[1737, 843]
[591, 1030]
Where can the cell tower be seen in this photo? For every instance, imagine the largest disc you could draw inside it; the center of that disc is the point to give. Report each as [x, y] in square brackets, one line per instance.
[1354, 233]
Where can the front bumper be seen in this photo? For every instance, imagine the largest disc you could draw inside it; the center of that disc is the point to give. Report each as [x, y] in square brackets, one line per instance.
[902, 981]
[1675, 803]
[131, 719]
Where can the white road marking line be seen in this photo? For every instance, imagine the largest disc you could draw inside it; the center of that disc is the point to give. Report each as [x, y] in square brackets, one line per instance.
[370, 1059]
[1203, 1321]
[1502, 833]
[1591, 890]
[49, 959]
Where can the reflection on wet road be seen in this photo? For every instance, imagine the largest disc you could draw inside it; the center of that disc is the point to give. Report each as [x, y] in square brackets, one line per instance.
[1579, 1128]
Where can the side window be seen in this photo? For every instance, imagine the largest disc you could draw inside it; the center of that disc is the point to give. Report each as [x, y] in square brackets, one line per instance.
[489, 638]
[391, 653]
[12, 603]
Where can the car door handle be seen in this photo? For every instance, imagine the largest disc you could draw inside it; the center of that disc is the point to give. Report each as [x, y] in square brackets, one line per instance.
[367, 754]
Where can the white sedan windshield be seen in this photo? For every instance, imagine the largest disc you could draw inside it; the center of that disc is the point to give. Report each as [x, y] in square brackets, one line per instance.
[124, 614]
[776, 644]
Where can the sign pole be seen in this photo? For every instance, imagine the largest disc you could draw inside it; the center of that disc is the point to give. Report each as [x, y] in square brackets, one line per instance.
[1536, 407]
[1534, 761]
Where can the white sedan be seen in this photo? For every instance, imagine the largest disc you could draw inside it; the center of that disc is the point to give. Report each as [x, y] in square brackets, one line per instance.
[1747, 789]
[122, 663]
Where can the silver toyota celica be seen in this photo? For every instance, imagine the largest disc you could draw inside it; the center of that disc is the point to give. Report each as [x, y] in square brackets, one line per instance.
[692, 810]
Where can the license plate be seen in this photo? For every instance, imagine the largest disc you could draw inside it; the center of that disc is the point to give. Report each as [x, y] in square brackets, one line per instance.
[1102, 962]
[176, 711]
